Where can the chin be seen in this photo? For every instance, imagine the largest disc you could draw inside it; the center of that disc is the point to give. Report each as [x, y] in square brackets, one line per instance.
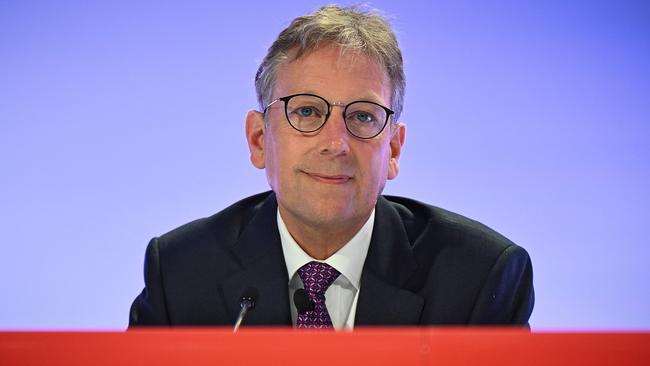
[335, 214]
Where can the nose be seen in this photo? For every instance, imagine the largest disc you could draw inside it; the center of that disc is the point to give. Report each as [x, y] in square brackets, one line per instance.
[334, 136]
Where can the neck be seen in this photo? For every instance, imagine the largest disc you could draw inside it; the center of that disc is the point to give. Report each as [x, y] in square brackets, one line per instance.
[321, 240]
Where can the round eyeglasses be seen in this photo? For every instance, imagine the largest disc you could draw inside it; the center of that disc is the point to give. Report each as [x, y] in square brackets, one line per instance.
[308, 113]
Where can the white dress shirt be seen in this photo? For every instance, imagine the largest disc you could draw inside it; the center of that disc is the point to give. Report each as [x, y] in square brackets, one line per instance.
[342, 295]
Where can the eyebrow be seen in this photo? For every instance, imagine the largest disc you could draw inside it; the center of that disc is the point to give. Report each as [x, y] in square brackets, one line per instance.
[369, 98]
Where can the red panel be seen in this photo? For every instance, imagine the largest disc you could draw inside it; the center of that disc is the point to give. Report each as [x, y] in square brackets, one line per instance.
[268, 346]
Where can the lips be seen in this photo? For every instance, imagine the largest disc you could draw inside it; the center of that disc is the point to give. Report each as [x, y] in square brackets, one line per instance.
[329, 179]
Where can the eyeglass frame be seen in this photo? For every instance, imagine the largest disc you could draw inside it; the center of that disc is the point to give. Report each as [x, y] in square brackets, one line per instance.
[287, 98]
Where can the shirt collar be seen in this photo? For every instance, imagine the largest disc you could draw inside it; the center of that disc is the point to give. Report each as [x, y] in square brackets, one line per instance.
[348, 260]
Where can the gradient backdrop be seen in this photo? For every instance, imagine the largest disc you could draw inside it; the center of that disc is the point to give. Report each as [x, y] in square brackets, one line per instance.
[120, 120]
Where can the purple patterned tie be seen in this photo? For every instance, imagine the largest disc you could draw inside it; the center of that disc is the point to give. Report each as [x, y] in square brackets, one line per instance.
[316, 277]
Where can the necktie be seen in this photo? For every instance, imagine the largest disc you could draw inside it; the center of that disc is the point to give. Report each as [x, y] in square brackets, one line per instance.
[316, 277]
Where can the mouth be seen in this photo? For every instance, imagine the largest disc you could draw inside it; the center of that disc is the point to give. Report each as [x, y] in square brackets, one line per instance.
[329, 179]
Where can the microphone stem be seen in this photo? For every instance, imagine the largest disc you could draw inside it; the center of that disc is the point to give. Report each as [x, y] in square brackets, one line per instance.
[240, 318]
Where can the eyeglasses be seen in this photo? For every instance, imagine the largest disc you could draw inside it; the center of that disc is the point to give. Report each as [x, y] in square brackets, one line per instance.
[308, 113]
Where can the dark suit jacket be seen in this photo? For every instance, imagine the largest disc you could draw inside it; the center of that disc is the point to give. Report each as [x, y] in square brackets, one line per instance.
[425, 265]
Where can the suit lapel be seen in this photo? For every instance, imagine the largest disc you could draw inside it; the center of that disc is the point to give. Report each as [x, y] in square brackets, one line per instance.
[259, 252]
[389, 264]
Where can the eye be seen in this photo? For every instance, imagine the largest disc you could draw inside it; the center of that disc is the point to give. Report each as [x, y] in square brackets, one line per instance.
[305, 111]
[363, 117]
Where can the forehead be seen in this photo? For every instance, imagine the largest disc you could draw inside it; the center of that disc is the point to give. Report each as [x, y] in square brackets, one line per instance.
[334, 73]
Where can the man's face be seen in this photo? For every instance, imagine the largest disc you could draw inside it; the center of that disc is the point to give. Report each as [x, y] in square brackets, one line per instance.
[328, 177]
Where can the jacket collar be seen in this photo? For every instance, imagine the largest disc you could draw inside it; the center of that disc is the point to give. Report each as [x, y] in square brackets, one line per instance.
[383, 300]
[259, 253]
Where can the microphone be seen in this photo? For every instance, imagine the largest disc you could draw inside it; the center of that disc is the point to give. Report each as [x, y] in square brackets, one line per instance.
[302, 301]
[246, 303]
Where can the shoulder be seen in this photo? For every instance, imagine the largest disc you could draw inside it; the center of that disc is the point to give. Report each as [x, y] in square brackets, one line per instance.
[222, 228]
[428, 225]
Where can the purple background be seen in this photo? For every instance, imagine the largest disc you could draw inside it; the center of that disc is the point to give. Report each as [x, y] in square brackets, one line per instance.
[122, 120]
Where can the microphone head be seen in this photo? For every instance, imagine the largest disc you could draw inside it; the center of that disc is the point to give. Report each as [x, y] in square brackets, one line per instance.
[302, 301]
[248, 298]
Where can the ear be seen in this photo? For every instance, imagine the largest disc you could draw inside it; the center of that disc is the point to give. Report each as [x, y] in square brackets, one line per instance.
[396, 143]
[255, 130]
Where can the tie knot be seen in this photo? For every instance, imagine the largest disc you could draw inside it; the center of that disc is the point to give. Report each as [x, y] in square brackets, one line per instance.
[317, 277]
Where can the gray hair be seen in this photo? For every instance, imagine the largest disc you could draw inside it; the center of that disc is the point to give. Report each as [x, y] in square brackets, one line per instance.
[350, 28]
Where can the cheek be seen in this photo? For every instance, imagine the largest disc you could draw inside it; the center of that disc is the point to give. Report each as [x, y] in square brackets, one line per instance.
[375, 166]
[271, 160]
[278, 161]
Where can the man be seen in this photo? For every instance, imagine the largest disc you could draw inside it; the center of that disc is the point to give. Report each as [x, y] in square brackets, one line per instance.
[324, 248]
